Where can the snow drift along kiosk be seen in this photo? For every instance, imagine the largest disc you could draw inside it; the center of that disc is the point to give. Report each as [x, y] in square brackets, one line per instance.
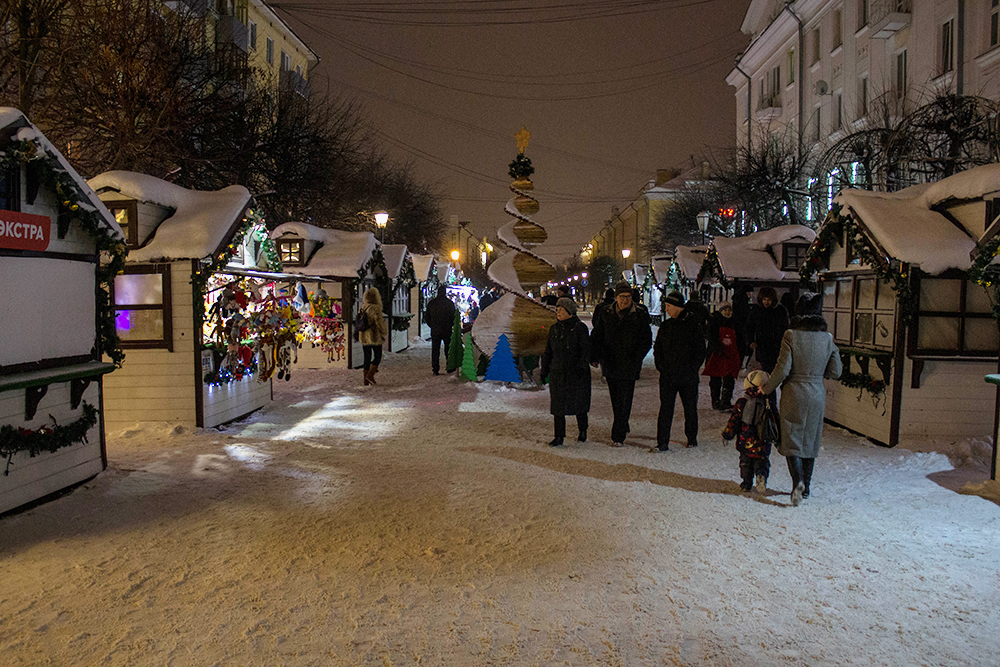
[57, 317]
[910, 296]
[335, 268]
[196, 305]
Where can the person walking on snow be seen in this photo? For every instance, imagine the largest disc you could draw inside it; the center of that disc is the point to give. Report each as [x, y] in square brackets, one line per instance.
[566, 364]
[621, 338]
[807, 355]
[440, 317]
[372, 338]
[678, 352]
[745, 425]
[767, 324]
[724, 362]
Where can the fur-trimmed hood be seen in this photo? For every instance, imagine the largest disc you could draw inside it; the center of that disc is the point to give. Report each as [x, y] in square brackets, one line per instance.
[808, 323]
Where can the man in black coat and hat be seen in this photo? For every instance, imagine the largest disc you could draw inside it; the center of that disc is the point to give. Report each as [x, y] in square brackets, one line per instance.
[621, 338]
[440, 317]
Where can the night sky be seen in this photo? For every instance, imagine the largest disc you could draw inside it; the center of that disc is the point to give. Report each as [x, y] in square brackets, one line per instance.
[610, 90]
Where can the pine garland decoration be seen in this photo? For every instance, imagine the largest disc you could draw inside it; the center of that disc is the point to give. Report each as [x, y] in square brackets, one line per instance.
[46, 438]
[520, 167]
[987, 274]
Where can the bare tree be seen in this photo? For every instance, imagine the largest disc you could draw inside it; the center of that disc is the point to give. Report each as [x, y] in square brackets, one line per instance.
[676, 224]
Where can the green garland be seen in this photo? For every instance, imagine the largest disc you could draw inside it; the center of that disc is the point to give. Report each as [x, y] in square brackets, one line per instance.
[981, 274]
[520, 167]
[46, 438]
[837, 226]
[74, 201]
[401, 322]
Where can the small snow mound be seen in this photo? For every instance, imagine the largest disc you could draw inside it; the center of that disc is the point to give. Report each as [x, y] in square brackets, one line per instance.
[178, 430]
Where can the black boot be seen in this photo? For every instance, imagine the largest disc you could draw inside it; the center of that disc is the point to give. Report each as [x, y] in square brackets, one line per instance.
[795, 470]
[726, 396]
[556, 442]
[714, 387]
[582, 423]
[807, 473]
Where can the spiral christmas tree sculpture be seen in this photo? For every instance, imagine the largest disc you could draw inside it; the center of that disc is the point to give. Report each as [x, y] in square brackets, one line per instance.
[523, 320]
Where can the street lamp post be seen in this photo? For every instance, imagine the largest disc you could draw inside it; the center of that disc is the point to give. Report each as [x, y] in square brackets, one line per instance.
[381, 220]
[625, 253]
[703, 219]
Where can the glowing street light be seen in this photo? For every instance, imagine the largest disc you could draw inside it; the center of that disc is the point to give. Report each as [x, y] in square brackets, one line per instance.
[381, 220]
[625, 253]
[455, 255]
[703, 219]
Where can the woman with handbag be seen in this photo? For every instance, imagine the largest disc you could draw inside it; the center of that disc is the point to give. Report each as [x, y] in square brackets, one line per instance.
[372, 337]
[807, 355]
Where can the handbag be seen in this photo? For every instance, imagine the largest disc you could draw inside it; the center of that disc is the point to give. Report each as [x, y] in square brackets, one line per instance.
[361, 321]
[770, 427]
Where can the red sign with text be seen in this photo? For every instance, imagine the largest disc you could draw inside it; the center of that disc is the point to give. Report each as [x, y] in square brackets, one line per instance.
[24, 231]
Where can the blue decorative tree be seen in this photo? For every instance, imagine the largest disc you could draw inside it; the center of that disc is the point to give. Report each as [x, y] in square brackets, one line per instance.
[502, 367]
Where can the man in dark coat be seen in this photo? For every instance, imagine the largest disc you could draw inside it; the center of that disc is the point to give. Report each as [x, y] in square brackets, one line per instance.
[566, 364]
[440, 317]
[486, 299]
[741, 313]
[609, 300]
[679, 352]
[767, 324]
[621, 338]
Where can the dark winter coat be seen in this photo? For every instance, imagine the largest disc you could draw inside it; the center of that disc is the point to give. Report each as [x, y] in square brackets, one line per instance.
[744, 428]
[724, 346]
[741, 313]
[680, 348]
[440, 314]
[566, 362]
[765, 327]
[620, 341]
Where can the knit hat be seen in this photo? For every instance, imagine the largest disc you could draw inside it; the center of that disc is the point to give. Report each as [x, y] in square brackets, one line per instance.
[675, 298]
[622, 287]
[809, 303]
[567, 304]
[726, 304]
[756, 379]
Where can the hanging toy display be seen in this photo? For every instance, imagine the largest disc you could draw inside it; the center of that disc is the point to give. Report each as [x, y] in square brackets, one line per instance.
[228, 330]
[277, 324]
[323, 327]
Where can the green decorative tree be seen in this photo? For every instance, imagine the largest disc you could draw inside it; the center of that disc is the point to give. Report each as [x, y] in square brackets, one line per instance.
[502, 367]
[469, 360]
[455, 349]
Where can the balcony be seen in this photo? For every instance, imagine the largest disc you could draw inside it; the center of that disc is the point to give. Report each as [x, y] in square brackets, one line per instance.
[889, 16]
[769, 107]
[292, 80]
[230, 30]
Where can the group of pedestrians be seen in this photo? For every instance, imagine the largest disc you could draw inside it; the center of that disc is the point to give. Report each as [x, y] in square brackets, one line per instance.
[793, 353]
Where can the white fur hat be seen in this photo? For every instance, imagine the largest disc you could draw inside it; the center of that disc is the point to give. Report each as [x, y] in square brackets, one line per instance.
[756, 379]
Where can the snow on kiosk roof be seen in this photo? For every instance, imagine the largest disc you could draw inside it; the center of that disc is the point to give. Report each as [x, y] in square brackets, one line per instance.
[200, 223]
[11, 118]
[342, 255]
[393, 255]
[688, 260]
[747, 257]
[422, 266]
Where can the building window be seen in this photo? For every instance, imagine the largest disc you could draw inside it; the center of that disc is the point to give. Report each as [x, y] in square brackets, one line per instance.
[946, 58]
[253, 36]
[291, 253]
[815, 47]
[818, 131]
[127, 216]
[838, 30]
[298, 70]
[994, 22]
[901, 74]
[286, 62]
[839, 111]
[142, 305]
[791, 66]
[954, 318]
[860, 311]
[862, 13]
[269, 54]
[863, 96]
[10, 190]
[792, 256]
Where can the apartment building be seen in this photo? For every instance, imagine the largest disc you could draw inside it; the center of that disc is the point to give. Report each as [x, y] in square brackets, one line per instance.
[817, 66]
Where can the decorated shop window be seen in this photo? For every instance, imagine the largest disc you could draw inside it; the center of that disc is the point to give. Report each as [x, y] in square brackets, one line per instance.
[954, 318]
[127, 216]
[860, 311]
[291, 253]
[142, 307]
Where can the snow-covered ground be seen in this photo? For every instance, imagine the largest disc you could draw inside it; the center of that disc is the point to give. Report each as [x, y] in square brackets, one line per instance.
[426, 522]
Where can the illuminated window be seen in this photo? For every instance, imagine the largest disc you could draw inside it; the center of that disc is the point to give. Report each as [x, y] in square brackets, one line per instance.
[291, 253]
[142, 307]
[126, 215]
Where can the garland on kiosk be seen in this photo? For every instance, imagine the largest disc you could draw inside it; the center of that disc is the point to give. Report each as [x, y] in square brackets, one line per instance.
[985, 273]
[74, 205]
[45, 438]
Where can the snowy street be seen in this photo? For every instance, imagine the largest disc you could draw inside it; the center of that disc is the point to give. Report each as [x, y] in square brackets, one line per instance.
[425, 521]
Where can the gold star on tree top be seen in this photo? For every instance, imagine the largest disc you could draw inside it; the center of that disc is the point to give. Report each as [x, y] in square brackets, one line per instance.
[522, 138]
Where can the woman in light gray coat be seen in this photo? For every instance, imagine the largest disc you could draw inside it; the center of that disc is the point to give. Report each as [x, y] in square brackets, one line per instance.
[807, 355]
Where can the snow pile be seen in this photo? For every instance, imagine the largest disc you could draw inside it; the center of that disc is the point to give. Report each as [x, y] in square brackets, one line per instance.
[200, 223]
[753, 257]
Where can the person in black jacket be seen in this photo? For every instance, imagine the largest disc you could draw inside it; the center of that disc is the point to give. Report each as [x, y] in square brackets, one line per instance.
[741, 313]
[440, 317]
[601, 306]
[679, 352]
[766, 326]
[566, 363]
[621, 338]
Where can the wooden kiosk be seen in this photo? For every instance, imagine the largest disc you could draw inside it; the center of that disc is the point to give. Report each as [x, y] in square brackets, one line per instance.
[401, 281]
[57, 318]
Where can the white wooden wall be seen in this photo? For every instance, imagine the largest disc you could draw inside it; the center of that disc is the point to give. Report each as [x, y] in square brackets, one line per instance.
[234, 400]
[953, 401]
[34, 478]
[862, 416]
[157, 385]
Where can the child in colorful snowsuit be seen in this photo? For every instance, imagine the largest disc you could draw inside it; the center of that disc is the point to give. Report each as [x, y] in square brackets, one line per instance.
[744, 425]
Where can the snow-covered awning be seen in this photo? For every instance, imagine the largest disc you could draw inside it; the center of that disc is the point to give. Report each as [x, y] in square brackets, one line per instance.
[394, 255]
[422, 265]
[640, 271]
[16, 124]
[342, 255]
[200, 222]
[661, 268]
[909, 230]
[747, 257]
[689, 260]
